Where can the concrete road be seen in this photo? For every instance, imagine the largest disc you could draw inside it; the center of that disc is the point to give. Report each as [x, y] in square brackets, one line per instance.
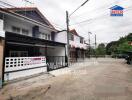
[101, 79]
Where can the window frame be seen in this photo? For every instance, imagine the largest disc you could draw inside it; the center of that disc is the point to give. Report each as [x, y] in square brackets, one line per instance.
[16, 29]
[25, 33]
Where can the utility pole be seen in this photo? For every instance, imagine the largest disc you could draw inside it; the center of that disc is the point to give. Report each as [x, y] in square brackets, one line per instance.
[89, 43]
[67, 24]
[95, 45]
[89, 46]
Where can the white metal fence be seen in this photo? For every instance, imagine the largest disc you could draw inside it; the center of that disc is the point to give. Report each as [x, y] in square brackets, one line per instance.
[16, 67]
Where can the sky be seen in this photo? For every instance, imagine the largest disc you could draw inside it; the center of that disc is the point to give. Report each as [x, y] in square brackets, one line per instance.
[94, 15]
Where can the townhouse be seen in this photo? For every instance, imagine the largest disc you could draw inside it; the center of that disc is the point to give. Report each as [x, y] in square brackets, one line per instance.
[29, 44]
[77, 46]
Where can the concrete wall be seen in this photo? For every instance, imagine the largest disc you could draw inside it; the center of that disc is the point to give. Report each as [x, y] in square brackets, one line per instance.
[1, 58]
[12, 21]
[76, 43]
[56, 51]
[76, 39]
[61, 37]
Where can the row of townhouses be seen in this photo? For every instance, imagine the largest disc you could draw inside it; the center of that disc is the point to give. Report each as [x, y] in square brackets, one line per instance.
[29, 44]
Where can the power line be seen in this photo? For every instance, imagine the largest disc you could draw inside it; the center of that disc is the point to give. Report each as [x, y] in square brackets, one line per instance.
[6, 4]
[91, 19]
[80, 27]
[87, 20]
[28, 1]
[79, 7]
[81, 22]
[96, 9]
[94, 18]
[101, 29]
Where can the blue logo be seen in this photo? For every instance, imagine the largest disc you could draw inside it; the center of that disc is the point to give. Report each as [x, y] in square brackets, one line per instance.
[116, 11]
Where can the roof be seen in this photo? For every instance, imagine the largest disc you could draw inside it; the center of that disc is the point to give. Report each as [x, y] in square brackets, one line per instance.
[73, 31]
[8, 12]
[35, 15]
[116, 7]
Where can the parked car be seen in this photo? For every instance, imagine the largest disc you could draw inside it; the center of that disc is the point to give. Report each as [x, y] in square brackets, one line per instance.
[129, 57]
[122, 56]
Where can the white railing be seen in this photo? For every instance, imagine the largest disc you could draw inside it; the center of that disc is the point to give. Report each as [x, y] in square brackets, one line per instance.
[19, 63]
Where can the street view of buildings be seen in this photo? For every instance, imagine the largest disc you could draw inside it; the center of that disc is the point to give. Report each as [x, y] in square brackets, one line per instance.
[39, 61]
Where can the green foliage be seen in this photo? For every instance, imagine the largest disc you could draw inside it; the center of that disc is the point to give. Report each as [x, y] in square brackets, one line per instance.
[119, 46]
[124, 47]
[101, 50]
[111, 47]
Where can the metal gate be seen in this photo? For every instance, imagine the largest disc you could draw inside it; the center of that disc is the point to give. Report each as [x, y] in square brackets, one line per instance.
[56, 62]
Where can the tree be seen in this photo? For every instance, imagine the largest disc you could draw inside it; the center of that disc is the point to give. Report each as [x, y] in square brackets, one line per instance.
[101, 50]
[120, 46]
[124, 47]
[111, 47]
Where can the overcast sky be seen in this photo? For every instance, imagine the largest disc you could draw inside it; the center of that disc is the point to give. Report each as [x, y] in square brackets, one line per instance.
[96, 12]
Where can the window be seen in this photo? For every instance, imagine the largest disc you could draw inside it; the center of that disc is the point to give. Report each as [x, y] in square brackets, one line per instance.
[71, 37]
[25, 32]
[46, 36]
[42, 35]
[81, 40]
[15, 29]
[18, 53]
[49, 36]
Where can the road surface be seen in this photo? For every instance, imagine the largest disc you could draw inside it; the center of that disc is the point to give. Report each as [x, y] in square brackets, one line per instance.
[101, 79]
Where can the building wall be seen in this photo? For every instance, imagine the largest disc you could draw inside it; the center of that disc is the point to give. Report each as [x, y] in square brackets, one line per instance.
[61, 37]
[76, 43]
[12, 21]
[56, 51]
[1, 59]
[2, 42]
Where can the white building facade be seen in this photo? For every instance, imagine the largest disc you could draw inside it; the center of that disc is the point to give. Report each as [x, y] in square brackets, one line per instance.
[30, 46]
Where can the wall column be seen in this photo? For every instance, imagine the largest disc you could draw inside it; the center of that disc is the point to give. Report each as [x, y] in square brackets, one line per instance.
[2, 43]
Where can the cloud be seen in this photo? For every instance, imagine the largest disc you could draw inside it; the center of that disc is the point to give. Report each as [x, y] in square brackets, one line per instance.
[106, 27]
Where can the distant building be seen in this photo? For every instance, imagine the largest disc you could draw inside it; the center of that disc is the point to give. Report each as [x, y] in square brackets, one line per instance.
[77, 46]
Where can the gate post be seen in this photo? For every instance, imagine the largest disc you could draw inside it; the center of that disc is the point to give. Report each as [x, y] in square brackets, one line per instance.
[2, 43]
